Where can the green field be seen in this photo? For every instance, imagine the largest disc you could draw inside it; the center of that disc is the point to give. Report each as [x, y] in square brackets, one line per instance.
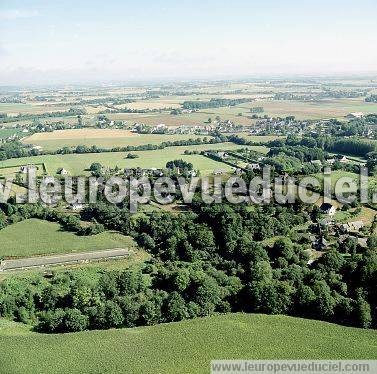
[37, 237]
[336, 175]
[76, 164]
[5, 133]
[102, 138]
[183, 347]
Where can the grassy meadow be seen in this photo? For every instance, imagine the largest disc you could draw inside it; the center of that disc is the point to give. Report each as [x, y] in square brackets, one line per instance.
[77, 164]
[182, 347]
[336, 175]
[38, 237]
[5, 133]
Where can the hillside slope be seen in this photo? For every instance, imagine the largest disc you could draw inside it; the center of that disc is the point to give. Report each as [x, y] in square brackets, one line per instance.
[181, 347]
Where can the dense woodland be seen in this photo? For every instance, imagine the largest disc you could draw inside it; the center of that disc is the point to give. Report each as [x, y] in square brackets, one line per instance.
[211, 260]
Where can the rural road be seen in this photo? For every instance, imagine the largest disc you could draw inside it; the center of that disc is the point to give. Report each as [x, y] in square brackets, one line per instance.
[30, 262]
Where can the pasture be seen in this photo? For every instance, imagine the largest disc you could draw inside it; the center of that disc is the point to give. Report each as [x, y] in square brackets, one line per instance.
[37, 237]
[181, 347]
[105, 138]
[5, 133]
[77, 164]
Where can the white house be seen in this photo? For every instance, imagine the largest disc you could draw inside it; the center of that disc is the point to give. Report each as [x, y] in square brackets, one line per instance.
[62, 171]
[328, 209]
[76, 206]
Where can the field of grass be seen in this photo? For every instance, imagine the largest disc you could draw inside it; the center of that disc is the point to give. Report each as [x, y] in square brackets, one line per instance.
[76, 164]
[183, 347]
[105, 138]
[37, 237]
[336, 175]
[5, 133]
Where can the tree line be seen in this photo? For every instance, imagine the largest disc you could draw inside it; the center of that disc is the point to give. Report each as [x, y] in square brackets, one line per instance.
[214, 103]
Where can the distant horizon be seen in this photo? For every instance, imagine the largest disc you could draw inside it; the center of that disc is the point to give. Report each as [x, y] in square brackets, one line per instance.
[185, 80]
[85, 41]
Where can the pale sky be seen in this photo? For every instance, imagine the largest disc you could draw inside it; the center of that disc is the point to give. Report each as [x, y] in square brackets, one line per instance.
[98, 41]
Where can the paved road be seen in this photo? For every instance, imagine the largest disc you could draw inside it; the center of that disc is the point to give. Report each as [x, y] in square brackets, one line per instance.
[30, 262]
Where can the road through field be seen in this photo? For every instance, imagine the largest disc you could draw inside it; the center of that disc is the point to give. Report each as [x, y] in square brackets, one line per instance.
[30, 262]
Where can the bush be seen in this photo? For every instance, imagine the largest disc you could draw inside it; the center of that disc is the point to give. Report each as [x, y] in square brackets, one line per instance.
[74, 320]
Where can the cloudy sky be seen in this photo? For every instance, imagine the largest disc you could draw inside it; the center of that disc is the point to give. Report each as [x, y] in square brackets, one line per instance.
[97, 41]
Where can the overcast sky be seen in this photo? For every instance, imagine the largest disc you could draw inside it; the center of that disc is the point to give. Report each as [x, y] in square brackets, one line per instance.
[87, 41]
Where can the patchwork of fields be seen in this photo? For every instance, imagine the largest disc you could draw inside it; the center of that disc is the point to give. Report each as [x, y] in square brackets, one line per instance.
[109, 138]
[182, 347]
[321, 109]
